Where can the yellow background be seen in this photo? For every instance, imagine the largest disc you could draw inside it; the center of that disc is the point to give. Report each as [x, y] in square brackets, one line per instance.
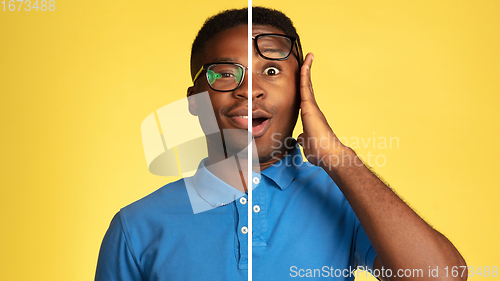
[76, 84]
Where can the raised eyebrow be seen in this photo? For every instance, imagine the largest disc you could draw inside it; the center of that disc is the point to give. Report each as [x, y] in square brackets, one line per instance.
[271, 50]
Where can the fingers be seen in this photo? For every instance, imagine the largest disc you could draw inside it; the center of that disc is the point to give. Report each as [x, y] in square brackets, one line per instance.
[311, 114]
[306, 89]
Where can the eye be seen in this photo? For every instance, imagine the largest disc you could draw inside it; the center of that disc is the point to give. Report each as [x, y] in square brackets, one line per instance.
[226, 74]
[271, 71]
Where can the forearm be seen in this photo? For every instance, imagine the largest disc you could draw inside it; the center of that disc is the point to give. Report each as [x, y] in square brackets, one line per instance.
[400, 237]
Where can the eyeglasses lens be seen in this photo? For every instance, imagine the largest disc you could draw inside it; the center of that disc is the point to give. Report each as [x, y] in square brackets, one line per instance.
[274, 47]
[224, 77]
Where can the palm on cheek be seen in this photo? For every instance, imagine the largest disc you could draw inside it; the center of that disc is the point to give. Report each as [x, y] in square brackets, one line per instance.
[317, 139]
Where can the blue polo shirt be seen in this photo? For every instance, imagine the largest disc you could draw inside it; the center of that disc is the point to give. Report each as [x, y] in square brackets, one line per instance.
[302, 227]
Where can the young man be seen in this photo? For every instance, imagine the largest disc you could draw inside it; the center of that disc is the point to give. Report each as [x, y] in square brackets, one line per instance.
[308, 220]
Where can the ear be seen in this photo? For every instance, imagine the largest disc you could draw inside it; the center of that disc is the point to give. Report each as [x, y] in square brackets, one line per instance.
[193, 109]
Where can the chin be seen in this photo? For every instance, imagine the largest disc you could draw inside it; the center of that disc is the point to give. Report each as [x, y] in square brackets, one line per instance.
[268, 158]
[267, 153]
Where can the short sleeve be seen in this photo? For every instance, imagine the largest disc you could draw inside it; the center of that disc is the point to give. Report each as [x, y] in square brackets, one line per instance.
[116, 261]
[363, 249]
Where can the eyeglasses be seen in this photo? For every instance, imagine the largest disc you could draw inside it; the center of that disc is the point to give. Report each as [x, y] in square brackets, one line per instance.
[228, 76]
[275, 46]
[223, 76]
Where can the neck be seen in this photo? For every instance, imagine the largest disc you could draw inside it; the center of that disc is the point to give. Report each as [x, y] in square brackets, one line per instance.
[232, 168]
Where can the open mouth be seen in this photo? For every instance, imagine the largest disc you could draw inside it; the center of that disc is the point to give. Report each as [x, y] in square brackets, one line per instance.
[259, 125]
[258, 121]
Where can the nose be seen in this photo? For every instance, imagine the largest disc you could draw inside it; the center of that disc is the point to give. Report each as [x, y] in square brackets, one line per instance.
[257, 90]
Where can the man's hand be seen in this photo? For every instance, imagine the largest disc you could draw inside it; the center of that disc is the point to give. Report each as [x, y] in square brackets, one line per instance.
[318, 140]
[321, 145]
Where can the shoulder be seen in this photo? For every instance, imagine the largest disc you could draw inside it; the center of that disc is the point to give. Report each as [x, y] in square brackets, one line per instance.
[309, 176]
[171, 198]
[314, 184]
[144, 220]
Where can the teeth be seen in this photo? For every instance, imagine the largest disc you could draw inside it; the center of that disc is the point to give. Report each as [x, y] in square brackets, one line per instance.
[244, 117]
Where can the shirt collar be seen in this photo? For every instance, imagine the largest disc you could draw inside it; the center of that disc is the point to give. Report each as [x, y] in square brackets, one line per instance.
[216, 192]
[212, 189]
[283, 171]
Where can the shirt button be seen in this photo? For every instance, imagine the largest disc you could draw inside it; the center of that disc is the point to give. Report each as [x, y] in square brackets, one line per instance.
[256, 180]
[243, 200]
[244, 230]
[256, 208]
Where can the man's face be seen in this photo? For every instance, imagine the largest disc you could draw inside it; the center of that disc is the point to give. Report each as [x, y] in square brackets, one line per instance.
[275, 92]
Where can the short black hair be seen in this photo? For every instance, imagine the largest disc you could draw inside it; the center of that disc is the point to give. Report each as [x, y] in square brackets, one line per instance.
[234, 17]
